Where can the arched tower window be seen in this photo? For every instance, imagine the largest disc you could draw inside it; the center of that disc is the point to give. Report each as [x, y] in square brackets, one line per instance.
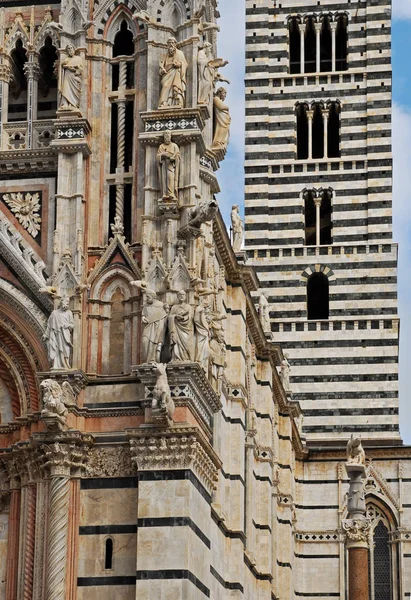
[318, 132]
[383, 559]
[341, 43]
[47, 85]
[295, 46]
[17, 105]
[310, 46]
[302, 131]
[326, 45]
[108, 554]
[317, 297]
[317, 217]
[122, 129]
[334, 130]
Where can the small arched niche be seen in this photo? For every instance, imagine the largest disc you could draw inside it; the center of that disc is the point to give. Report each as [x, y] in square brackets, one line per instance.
[47, 86]
[17, 105]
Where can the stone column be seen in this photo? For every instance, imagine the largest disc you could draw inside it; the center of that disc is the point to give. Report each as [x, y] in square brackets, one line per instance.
[325, 114]
[177, 470]
[333, 26]
[302, 27]
[13, 540]
[32, 72]
[121, 138]
[310, 116]
[318, 27]
[5, 73]
[317, 202]
[357, 528]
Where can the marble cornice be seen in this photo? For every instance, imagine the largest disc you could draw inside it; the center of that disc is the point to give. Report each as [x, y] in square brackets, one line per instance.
[179, 448]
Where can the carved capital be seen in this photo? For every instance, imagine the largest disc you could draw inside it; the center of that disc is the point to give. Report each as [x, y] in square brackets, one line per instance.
[5, 73]
[65, 459]
[181, 448]
[357, 532]
[32, 70]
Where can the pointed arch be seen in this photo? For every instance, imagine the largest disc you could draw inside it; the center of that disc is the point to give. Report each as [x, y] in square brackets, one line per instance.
[122, 13]
[172, 12]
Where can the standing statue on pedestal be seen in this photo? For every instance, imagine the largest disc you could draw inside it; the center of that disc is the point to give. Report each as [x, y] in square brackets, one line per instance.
[207, 73]
[168, 160]
[237, 227]
[173, 71]
[181, 327]
[58, 336]
[202, 334]
[154, 318]
[264, 312]
[70, 80]
[222, 120]
[285, 373]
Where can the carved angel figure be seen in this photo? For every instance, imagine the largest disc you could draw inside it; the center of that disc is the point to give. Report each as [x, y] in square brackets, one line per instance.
[26, 207]
[56, 397]
[355, 451]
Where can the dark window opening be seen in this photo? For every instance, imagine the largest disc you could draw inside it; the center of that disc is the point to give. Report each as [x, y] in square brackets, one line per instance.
[18, 84]
[334, 131]
[128, 188]
[310, 219]
[302, 132]
[47, 85]
[128, 159]
[295, 47]
[326, 46]
[310, 47]
[317, 297]
[318, 133]
[123, 42]
[341, 44]
[325, 219]
[113, 139]
[108, 559]
[382, 563]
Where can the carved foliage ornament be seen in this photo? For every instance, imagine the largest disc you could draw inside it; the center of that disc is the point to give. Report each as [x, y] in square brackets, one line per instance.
[357, 530]
[26, 207]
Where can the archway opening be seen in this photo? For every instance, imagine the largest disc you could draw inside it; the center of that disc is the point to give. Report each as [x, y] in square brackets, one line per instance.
[326, 45]
[47, 87]
[341, 43]
[302, 132]
[310, 47]
[318, 132]
[295, 46]
[17, 107]
[317, 297]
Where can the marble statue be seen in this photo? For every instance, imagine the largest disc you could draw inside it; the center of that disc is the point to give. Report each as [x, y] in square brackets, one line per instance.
[355, 451]
[264, 312]
[285, 373]
[237, 227]
[168, 160]
[56, 397]
[181, 327]
[202, 334]
[154, 318]
[207, 73]
[222, 120]
[71, 80]
[162, 400]
[218, 349]
[203, 213]
[58, 336]
[173, 71]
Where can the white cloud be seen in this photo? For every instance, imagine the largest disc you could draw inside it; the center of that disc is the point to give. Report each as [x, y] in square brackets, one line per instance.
[402, 234]
[401, 9]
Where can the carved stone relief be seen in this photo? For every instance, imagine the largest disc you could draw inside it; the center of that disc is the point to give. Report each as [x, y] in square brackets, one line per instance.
[26, 206]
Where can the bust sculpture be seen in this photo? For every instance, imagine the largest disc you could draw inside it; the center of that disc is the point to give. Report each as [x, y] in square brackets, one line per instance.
[70, 80]
[58, 336]
[173, 71]
[222, 120]
[168, 161]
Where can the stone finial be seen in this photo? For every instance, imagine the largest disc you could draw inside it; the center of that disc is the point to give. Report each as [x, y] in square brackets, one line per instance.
[355, 451]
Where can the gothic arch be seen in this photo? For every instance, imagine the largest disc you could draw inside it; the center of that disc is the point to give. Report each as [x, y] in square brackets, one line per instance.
[112, 303]
[105, 12]
[318, 268]
[112, 26]
[163, 11]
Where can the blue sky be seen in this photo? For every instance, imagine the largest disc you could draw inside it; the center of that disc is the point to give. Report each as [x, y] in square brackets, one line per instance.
[231, 174]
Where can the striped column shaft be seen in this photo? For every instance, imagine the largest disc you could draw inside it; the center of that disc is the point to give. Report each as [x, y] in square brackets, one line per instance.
[57, 538]
[30, 541]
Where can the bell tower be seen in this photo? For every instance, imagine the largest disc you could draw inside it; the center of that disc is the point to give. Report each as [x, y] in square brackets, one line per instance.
[318, 206]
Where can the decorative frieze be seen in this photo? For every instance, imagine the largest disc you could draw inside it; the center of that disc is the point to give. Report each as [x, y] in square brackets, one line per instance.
[179, 448]
[109, 461]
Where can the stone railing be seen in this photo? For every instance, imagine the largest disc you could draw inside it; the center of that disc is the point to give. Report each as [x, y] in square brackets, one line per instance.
[15, 135]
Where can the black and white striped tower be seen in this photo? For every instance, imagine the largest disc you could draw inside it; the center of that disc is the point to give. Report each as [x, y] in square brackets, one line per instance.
[318, 205]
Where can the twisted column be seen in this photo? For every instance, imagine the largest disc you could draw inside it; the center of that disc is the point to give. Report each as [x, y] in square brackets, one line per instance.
[29, 542]
[121, 137]
[57, 538]
[5, 73]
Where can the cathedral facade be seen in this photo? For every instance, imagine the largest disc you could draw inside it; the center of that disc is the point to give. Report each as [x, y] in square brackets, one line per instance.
[161, 435]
